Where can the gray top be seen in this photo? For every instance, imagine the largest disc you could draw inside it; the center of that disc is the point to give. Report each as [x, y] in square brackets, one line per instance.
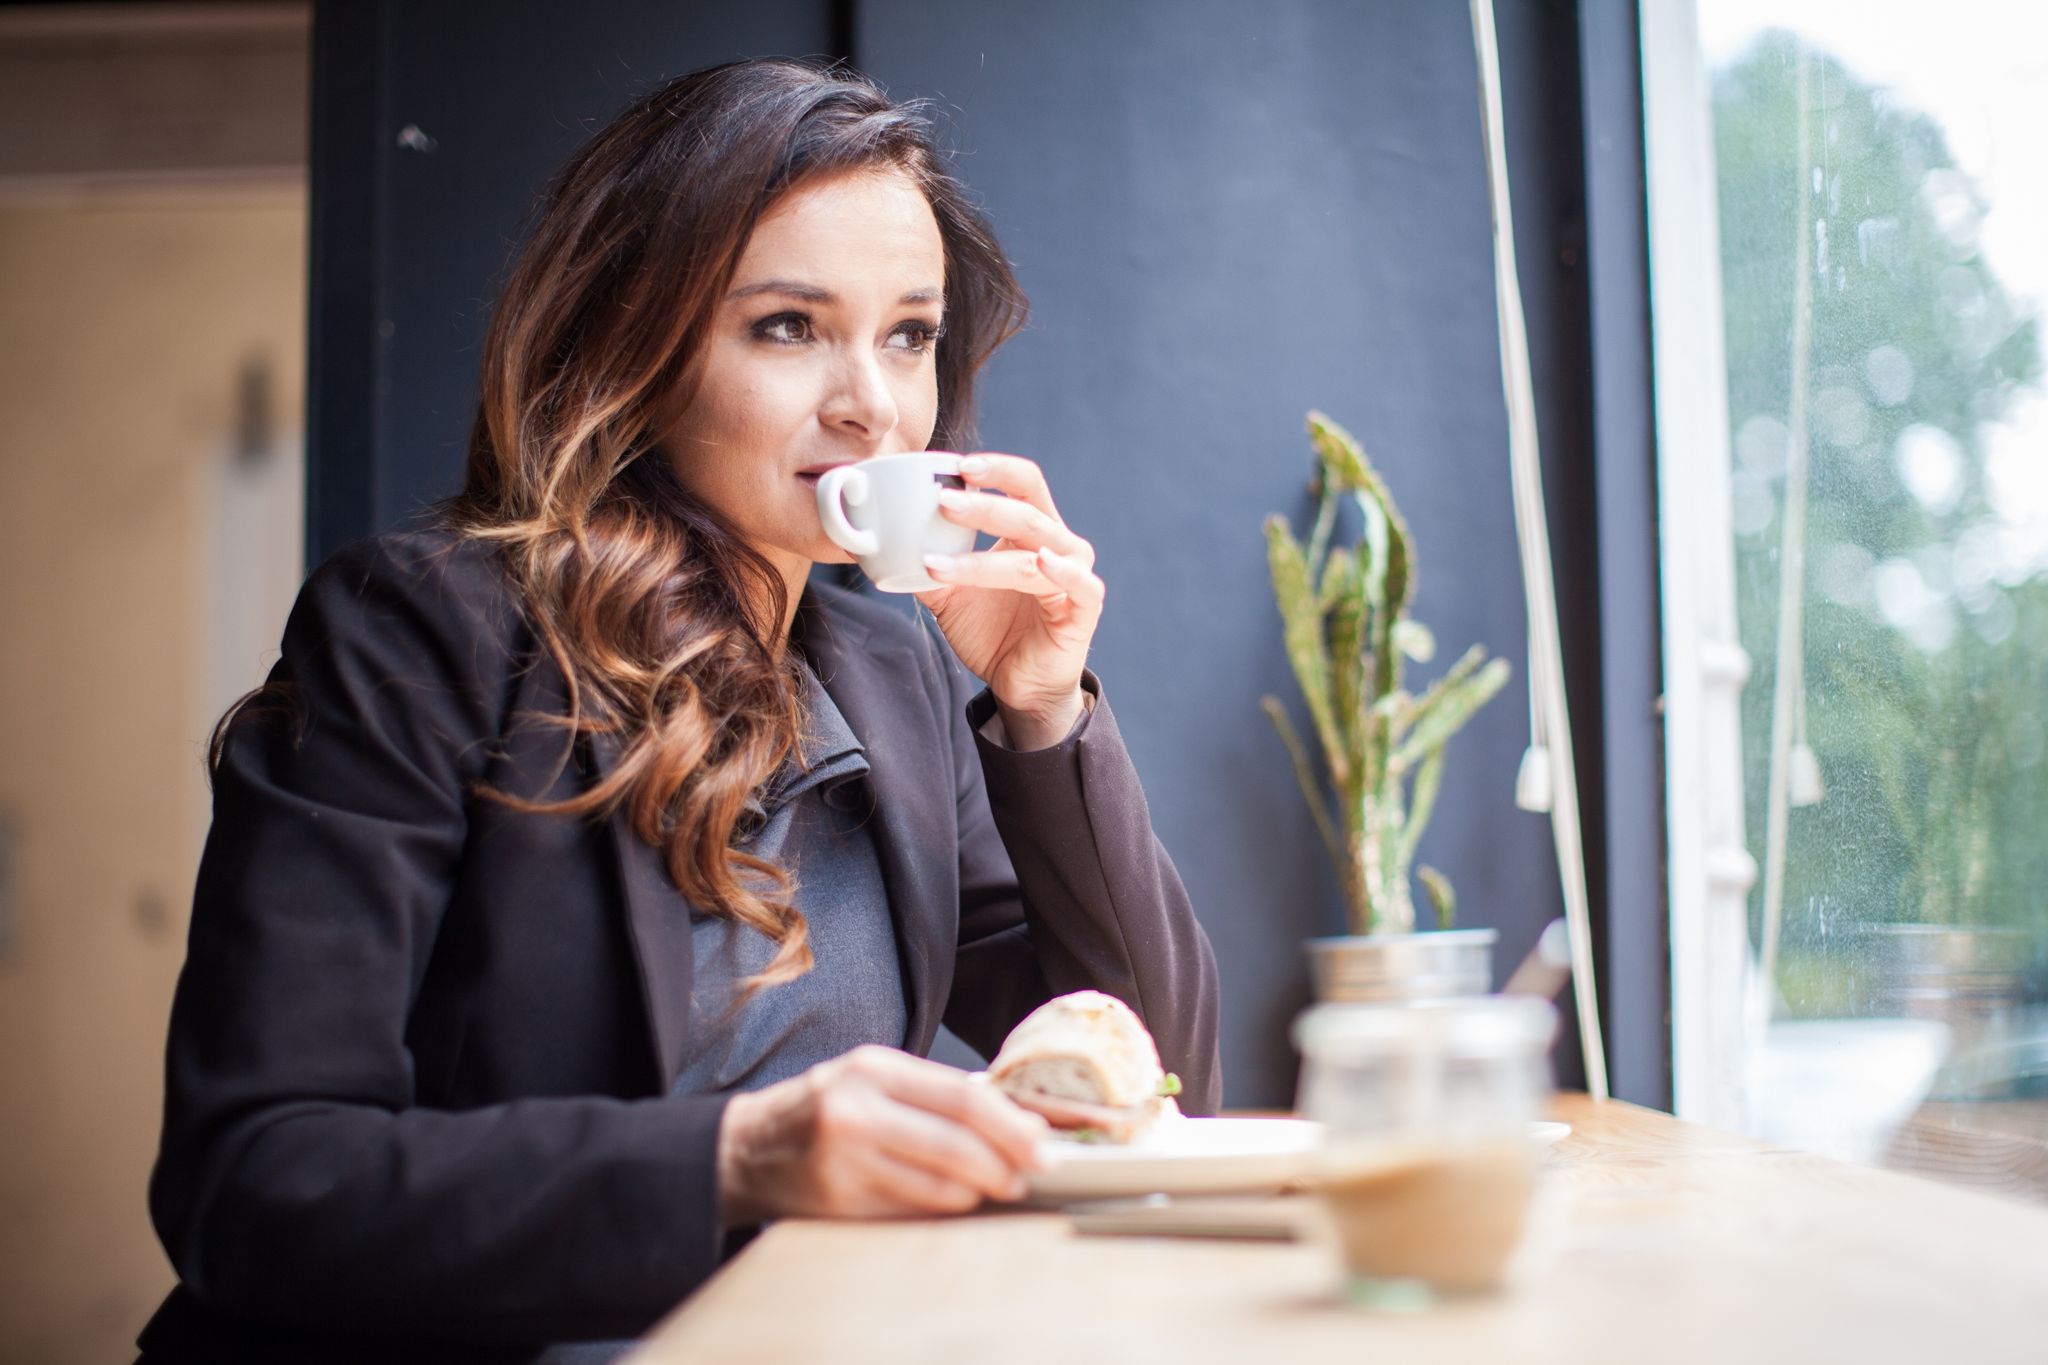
[813, 821]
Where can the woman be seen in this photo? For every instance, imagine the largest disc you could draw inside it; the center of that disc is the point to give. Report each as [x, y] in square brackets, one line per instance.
[585, 888]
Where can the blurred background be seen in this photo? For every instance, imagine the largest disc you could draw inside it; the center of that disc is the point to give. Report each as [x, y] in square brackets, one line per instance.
[152, 474]
[1783, 267]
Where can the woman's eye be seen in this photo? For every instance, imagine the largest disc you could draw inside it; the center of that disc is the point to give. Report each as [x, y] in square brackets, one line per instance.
[787, 328]
[919, 337]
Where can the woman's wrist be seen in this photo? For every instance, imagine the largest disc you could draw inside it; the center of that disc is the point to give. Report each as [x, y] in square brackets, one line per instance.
[1043, 726]
[737, 1206]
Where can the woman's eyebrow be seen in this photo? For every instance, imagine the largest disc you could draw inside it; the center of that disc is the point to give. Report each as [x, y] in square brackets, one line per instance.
[810, 293]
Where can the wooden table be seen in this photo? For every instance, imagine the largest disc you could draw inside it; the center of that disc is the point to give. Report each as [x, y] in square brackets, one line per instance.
[1655, 1241]
[2000, 1146]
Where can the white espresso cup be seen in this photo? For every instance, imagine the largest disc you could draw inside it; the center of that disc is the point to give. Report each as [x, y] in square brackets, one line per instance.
[885, 513]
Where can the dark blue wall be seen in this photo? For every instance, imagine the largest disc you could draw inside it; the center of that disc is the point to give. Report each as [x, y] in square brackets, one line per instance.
[1225, 214]
[1228, 214]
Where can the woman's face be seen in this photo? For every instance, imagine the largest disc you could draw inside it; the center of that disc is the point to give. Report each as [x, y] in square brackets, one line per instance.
[821, 353]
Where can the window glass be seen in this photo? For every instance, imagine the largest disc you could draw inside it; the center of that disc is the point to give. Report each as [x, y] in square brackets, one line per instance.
[1883, 211]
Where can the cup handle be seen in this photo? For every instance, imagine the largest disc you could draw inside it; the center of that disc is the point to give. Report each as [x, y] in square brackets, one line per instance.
[852, 482]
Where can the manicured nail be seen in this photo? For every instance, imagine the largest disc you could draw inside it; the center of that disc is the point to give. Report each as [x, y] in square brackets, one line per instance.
[939, 563]
[974, 466]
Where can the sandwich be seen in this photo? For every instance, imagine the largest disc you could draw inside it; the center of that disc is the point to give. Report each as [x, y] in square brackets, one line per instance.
[1086, 1063]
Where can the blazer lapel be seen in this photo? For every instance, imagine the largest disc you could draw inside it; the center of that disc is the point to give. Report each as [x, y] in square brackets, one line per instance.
[658, 926]
[877, 685]
[915, 832]
[657, 919]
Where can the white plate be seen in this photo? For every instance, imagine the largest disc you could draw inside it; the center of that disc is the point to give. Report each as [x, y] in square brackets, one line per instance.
[1193, 1156]
[1178, 1156]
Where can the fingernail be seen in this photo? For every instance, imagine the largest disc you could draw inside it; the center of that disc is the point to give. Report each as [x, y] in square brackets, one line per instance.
[952, 497]
[939, 563]
[974, 466]
[1019, 1187]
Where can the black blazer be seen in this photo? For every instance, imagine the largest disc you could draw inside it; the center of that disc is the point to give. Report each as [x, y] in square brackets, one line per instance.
[421, 1048]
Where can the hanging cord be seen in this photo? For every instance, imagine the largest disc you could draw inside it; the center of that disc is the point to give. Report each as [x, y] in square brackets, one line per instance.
[1533, 538]
[1793, 764]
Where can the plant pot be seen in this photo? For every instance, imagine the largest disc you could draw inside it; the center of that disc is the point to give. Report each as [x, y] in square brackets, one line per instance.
[1971, 979]
[1430, 964]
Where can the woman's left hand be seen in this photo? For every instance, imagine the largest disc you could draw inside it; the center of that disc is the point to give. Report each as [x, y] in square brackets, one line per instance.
[1019, 614]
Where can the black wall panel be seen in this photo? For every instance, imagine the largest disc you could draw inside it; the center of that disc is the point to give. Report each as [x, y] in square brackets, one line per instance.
[435, 126]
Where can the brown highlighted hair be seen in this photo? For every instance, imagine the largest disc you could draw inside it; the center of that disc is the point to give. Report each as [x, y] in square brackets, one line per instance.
[662, 620]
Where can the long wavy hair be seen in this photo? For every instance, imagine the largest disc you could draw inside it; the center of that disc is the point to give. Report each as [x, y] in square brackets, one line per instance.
[661, 619]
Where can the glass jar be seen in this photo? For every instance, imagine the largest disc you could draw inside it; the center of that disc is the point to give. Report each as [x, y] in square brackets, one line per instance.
[1428, 1160]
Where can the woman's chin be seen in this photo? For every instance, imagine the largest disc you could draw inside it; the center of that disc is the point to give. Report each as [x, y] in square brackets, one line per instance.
[825, 552]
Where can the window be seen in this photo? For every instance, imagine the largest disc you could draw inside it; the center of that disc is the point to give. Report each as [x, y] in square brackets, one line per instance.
[1849, 237]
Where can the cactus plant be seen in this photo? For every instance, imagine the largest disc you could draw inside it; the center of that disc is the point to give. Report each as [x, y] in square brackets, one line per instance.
[1344, 619]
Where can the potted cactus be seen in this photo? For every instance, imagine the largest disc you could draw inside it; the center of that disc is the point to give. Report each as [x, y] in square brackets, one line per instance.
[1345, 622]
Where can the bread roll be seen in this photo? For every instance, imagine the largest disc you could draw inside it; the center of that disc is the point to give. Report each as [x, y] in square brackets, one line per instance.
[1091, 1049]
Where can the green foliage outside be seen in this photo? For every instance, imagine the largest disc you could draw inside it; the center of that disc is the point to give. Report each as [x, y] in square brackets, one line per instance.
[1929, 734]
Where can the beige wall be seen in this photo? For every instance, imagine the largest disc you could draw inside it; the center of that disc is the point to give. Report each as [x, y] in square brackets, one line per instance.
[143, 579]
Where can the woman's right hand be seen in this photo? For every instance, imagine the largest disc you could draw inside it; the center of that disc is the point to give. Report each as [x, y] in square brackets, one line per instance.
[873, 1133]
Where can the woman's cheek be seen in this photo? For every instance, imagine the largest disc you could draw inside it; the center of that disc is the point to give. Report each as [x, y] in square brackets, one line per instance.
[777, 404]
[920, 414]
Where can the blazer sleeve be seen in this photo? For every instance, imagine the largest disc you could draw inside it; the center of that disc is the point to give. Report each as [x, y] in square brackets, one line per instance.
[1064, 887]
[298, 1182]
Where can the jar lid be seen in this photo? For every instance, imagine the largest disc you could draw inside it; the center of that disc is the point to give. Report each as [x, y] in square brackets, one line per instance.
[1472, 1026]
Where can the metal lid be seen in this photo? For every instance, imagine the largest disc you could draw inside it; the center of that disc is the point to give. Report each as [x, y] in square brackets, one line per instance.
[1476, 1026]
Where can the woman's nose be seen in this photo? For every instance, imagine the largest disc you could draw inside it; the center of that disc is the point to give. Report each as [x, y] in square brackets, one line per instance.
[860, 396]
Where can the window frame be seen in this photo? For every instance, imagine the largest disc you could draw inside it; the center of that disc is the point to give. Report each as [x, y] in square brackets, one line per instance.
[1709, 870]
